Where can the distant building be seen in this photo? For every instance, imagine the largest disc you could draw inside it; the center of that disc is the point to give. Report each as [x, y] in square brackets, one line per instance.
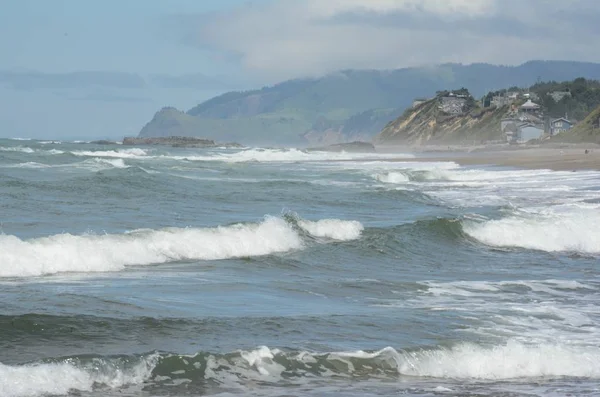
[452, 105]
[530, 106]
[513, 95]
[529, 131]
[510, 127]
[501, 100]
[560, 125]
[559, 95]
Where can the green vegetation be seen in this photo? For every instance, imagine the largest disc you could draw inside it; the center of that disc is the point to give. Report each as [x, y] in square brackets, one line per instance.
[350, 103]
[584, 97]
[480, 121]
[586, 131]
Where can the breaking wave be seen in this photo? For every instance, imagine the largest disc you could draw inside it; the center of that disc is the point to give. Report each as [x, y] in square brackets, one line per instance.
[120, 153]
[392, 177]
[65, 376]
[19, 149]
[113, 252]
[246, 367]
[333, 229]
[291, 155]
[577, 230]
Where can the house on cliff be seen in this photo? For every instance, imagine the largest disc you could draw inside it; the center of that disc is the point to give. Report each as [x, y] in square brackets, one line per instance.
[453, 105]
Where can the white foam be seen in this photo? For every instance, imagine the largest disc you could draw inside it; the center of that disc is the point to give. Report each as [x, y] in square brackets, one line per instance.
[333, 228]
[553, 231]
[510, 361]
[263, 360]
[392, 177]
[120, 153]
[19, 149]
[112, 252]
[63, 378]
[111, 163]
[29, 164]
[288, 155]
[55, 151]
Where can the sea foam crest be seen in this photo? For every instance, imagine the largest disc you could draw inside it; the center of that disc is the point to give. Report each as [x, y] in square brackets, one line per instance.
[392, 177]
[120, 153]
[512, 360]
[333, 228]
[577, 230]
[62, 378]
[290, 155]
[113, 252]
[19, 149]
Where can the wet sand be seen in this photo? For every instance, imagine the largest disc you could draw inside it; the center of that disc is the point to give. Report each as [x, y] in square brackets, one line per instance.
[571, 158]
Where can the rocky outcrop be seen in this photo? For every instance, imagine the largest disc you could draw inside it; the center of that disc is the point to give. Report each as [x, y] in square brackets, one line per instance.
[178, 141]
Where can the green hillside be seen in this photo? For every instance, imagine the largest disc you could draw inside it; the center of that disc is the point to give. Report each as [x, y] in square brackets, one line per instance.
[343, 105]
[480, 121]
[586, 131]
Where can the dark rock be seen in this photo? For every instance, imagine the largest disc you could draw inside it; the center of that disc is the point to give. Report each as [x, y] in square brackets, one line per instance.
[103, 142]
[177, 141]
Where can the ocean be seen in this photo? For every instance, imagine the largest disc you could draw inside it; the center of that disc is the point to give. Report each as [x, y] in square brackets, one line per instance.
[158, 271]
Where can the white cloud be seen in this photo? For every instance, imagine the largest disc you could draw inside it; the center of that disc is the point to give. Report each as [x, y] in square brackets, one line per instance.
[443, 7]
[283, 39]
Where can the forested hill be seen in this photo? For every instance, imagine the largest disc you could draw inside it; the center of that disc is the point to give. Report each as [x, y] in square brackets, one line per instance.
[343, 106]
[583, 97]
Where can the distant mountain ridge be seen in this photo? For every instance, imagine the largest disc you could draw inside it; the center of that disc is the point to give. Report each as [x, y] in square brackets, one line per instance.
[343, 106]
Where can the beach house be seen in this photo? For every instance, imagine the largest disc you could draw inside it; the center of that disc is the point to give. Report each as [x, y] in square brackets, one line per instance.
[560, 125]
[529, 131]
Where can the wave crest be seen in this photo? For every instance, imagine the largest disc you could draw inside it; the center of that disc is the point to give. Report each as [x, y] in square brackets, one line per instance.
[113, 252]
[573, 231]
[61, 378]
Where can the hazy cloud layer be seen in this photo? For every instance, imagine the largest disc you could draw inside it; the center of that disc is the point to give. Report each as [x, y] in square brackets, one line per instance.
[32, 80]
[292, 38]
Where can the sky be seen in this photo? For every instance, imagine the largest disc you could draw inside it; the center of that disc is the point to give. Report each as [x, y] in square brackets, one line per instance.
[73, 61]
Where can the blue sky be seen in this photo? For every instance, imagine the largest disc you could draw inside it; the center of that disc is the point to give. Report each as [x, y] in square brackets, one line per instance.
[181, 52]
[125, 35]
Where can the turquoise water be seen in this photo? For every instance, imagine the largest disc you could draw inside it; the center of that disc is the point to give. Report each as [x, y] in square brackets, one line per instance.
[153, 271]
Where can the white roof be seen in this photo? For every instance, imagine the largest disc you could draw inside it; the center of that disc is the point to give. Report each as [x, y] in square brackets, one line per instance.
[530, 105]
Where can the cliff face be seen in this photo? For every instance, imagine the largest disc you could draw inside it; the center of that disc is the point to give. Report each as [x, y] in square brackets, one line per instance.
[428, 123]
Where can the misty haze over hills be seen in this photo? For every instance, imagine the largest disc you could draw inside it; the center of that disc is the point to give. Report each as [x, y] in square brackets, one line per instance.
[94, 104]
[344, 106]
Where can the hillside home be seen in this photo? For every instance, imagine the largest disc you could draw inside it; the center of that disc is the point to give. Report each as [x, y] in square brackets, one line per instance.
[501, 100]
[529, 131]
[453, 105]
[530, 107]
[560, 125]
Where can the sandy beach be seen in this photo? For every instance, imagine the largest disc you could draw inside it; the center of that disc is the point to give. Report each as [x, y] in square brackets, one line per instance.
[563, 158]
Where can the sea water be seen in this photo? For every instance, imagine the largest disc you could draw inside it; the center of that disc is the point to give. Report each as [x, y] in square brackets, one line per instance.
[155, 271]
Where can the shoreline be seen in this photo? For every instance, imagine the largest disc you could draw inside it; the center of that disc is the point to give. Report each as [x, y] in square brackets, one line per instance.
[563, 158]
